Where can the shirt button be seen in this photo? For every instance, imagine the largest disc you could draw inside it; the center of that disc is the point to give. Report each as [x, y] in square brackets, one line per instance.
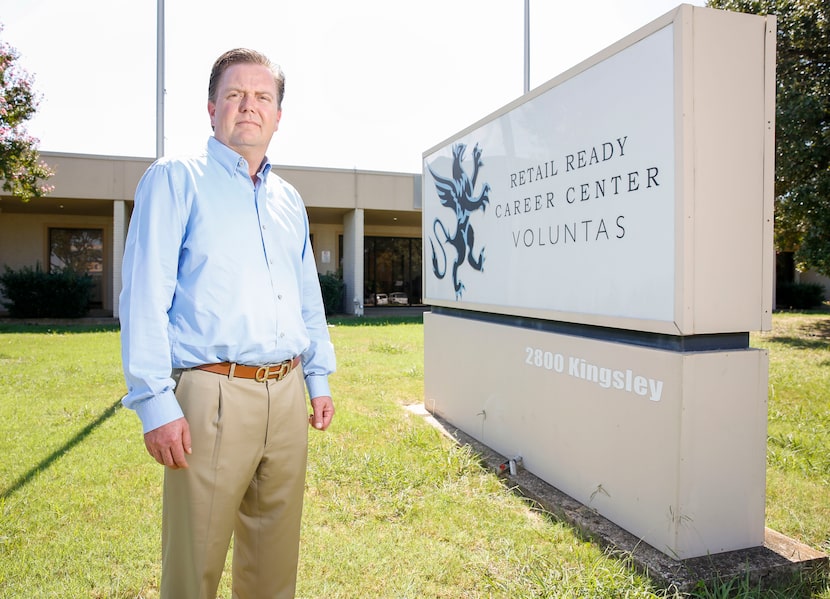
[279, 296]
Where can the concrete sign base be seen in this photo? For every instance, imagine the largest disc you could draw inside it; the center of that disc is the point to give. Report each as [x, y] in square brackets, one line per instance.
[775, 562]
[668, 445]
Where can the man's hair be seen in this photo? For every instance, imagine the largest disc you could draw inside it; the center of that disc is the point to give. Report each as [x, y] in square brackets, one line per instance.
[244, 56]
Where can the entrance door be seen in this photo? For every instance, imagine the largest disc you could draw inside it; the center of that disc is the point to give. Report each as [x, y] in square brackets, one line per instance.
[392, 265]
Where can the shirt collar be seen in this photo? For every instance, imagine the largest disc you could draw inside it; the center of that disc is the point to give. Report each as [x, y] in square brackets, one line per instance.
[231, 161]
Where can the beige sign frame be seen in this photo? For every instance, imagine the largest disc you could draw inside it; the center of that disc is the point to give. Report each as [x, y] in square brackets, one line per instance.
[724, 107]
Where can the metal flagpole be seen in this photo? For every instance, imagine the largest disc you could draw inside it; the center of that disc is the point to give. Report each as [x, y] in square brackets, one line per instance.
[160, 79]
[527, 46]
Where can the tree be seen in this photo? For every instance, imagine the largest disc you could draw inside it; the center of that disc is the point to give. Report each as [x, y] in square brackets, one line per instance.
[21, 169]
[802, 170]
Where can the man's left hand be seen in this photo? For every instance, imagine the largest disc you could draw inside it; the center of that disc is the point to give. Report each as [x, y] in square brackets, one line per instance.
[323, 412]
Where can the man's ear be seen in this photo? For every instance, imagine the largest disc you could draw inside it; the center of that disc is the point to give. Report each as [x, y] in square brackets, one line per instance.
[212, 112]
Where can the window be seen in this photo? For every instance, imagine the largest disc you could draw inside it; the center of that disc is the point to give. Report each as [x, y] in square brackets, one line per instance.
[81, 250]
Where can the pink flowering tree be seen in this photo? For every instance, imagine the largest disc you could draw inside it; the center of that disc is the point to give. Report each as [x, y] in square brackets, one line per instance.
[23, 173]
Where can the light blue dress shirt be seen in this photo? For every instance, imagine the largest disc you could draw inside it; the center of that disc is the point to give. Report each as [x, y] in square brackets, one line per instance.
[216, 269]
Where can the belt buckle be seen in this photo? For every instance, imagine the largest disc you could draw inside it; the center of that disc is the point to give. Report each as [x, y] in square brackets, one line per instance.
[263, 373]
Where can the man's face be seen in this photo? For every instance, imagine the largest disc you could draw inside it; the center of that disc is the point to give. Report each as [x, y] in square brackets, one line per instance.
[245, 114]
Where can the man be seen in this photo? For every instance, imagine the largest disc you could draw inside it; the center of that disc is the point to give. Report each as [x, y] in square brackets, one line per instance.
[221, 302]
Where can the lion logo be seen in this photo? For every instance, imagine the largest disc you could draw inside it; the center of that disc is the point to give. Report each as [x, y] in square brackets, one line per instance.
[457, 194]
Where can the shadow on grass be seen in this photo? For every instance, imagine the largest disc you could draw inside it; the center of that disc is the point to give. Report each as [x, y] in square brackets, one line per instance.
[801, 343]
[821, 329]
[809, 333]
[61, 451]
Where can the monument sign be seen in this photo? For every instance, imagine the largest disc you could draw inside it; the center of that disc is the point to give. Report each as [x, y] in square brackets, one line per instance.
[595, 255]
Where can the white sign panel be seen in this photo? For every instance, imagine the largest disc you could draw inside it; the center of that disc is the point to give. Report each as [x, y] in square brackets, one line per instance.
[565, 203]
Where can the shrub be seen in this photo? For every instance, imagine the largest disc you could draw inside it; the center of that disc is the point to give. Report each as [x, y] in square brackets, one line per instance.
[332, 288]
[799, 296]
[32, 293]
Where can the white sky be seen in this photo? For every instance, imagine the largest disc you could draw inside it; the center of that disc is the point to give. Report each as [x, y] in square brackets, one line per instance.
[370, 84]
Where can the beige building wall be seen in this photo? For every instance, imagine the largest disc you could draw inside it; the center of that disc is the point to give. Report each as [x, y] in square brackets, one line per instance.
[94, 191]
[815, 278]
[326, 236]
[21, 240]
[88, 177]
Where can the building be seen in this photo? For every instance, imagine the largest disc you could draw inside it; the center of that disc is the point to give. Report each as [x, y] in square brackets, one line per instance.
[365, 225]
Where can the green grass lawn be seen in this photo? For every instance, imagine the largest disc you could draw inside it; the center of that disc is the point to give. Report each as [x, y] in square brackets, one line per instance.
[393, 508]
[798, 429]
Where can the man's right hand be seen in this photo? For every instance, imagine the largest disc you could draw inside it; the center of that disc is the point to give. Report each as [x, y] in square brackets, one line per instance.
[169, 443]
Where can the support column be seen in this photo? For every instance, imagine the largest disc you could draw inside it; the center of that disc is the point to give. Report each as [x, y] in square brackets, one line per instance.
[119, 236]
[353, 261]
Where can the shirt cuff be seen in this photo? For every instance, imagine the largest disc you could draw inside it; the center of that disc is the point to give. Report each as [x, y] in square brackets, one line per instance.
[318, 385]
[158, 410]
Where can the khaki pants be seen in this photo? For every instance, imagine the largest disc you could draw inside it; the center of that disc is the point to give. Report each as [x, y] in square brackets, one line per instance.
[246, 478]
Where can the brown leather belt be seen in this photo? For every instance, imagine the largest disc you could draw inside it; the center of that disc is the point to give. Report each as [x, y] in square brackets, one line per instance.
[258, 373]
